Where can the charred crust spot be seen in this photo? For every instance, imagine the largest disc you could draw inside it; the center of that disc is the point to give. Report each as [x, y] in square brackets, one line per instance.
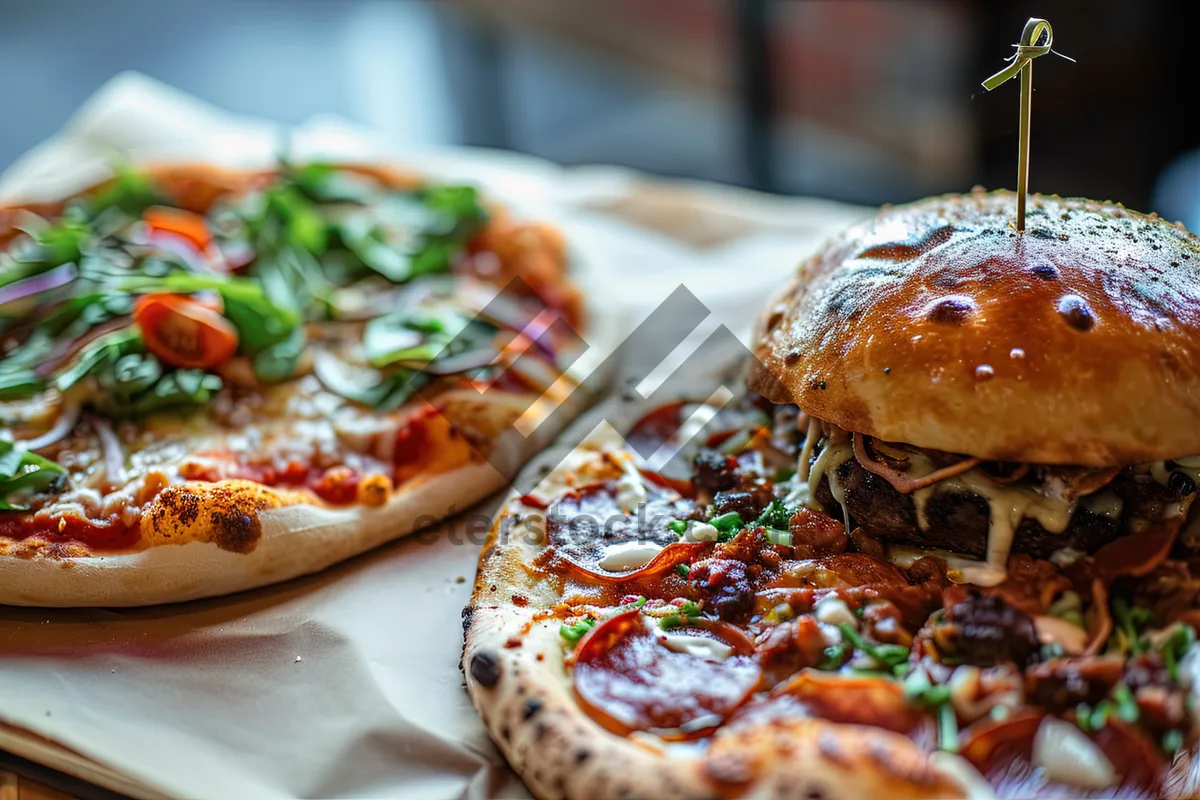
[530, 708]
[520, 601]
[791, 358]
[505, 733]
[831, 748]
[539, 731]
[1047, 272]
[774, 320]
[485, 668]
[729, 768]
[236, 531]
[468, 614]
[952, 310]
[814, 792]
[1075, 310]
[906, 251]
[179, 503]
[582, 756]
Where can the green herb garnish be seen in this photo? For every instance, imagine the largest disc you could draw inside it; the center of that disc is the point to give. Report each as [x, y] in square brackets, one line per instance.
[687, 612]
[573, 633]
[887, 655]
[23, 471]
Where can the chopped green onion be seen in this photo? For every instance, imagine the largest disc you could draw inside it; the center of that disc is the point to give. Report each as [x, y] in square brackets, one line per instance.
[779, 538]
[687, 612]
[1083, 717]
[887, 655]
[947, 728]
[677, 526]
[1172, 740]
[834, 655]
[683, 570]
[573, 633]
[1127, 707]
[1132, 622]
[1174, 647]
[776, 515]
[727, 523]
[900, 670]
[1099, 718]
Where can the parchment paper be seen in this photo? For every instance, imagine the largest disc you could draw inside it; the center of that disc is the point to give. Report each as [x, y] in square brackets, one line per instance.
[344, 684]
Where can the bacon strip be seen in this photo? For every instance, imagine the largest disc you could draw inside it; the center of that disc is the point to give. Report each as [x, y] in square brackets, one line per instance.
[1133, 555]
[900, 481]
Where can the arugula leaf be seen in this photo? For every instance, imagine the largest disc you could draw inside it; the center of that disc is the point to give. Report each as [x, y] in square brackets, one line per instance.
[278, 361]
[21, 470]
[129, 190]
[100, 355]
[421, 335]
[178, 389]
[326, 183]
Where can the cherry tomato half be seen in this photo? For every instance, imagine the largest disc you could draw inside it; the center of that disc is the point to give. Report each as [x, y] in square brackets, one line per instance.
[183, 332]
[192, 227]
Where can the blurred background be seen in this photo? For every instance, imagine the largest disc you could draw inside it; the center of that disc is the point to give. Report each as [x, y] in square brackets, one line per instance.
[868, 101]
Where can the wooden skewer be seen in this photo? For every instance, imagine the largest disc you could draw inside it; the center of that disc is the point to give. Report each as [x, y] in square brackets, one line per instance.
[1036, 40]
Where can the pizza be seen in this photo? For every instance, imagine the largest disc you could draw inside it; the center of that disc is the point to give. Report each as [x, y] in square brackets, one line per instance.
[211, 381]
[940, 543]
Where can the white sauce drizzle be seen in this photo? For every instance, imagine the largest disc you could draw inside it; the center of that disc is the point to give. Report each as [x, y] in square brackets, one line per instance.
[698, 646]
[628, 555]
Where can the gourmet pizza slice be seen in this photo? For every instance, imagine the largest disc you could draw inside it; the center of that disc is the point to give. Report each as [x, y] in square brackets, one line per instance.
[211, 381]
[941, 545]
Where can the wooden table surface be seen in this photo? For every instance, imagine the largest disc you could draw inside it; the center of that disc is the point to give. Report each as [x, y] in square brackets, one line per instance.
[14, 787]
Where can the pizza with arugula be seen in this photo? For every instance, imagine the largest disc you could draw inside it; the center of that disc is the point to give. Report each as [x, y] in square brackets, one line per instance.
[211, 381]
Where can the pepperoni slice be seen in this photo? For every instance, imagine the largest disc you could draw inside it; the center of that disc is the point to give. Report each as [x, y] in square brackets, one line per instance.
[627, 680]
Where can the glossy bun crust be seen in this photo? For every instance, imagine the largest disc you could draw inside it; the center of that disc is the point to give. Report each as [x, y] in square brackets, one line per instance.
[936, 324]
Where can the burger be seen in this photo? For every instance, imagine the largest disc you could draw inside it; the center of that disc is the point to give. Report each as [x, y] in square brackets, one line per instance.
[988, 393]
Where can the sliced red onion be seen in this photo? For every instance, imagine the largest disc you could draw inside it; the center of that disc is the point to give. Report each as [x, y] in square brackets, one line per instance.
[114, 454]
[68, 418]
[36, 284]
[67, 348]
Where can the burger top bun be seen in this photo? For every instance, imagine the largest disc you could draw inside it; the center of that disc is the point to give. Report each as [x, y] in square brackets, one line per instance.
[938, 325]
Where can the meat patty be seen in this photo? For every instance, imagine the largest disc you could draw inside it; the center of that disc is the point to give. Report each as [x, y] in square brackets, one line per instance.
[958, 521]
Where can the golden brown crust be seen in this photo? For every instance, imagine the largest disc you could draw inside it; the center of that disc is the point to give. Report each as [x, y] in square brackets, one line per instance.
[1077, 342]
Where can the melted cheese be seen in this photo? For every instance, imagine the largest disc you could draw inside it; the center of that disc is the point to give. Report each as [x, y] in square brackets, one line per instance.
[803, 462]
[1007, 505]
[1052, 630]
[832, 456]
